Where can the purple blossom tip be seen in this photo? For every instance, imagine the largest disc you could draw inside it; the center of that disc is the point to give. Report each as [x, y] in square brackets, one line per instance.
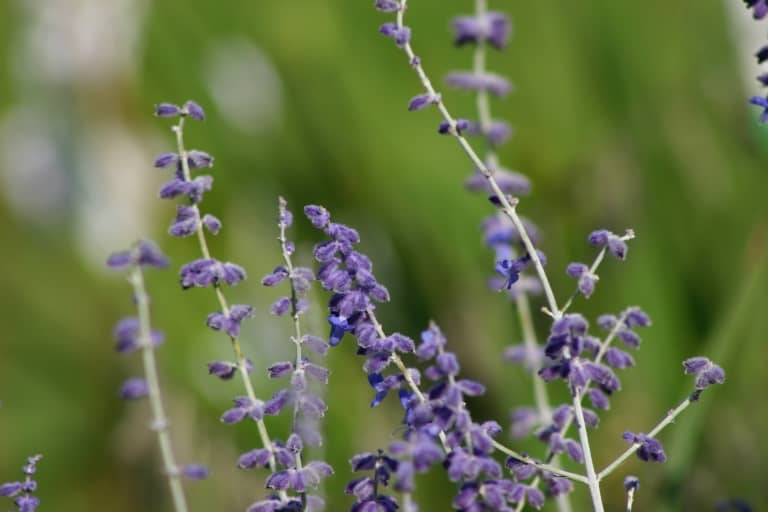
[455, 128]
[134, 388]
[422, 101]
[401, 35]
[631, 483]
[317, 215]
[387, 5]
[650, 449]
[166, 159]
[488, 82]
[199, 159]
[707, 373]
[193, 110]
[167, 110]
[195, 471]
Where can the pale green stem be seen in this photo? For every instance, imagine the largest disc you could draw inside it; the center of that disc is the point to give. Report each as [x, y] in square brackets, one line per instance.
[592, 479]
[241, 361]
[296, 322]
[668, 419]
[159, 418]
[508, 206]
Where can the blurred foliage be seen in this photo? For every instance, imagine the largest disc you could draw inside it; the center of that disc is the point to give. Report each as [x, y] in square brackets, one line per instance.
[629, 114]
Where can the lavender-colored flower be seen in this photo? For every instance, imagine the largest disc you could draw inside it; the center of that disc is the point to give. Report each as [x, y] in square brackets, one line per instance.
[144, 253]
[490, 82]
[193, 110]
[494, 27]
[615, 244]
[401, 35]
[422, 101]
[585, 278]
[167, 110]
[21, 492]
[134, 388]
[388, 5]
[650, 449]
[210, 272]
[762, 103]
[195, 471]
[707, 373]
[759, 8]
[230, 324]
[226, 370]
[166, 159]
[127, 336]
[458, 126]
[508, 181]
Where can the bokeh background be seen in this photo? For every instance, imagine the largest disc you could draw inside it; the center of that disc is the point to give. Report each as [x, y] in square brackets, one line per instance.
[628, 114]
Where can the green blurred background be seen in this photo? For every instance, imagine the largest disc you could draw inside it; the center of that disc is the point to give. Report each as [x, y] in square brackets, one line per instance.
[628, 114]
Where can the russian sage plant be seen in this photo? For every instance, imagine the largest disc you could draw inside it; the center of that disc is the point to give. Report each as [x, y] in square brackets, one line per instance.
[439, 432]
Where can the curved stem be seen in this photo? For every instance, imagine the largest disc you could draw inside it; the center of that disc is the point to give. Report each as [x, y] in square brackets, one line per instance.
[159, 418]
[668, 419]
[508, 206]
[241, 361]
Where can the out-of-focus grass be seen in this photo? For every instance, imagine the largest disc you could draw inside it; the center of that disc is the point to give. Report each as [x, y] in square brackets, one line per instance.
[628, 115]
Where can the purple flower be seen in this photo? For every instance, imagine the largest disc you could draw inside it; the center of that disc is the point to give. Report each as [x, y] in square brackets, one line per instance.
[244, 406]
[166, 159]
[762, 103]
[455, 128]
[585, 278]
[226, 370]
[707, 373]
[422, 101]
[134, 388]
[21, 492]
[210, 272]
[401, 35]
[494, 27]
[143, 254]
[230, 324]
[511, 269]
[195, 471]
[508, 181]
[650, 449]
[193, 110]
[126, 334]
[759, 8]
[615, 244]
[199, 159]
[490, 82]
[388, 5]
[167, 110]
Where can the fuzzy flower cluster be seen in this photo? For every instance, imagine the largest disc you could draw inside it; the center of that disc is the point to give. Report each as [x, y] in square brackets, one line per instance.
[22, 492]
[305, 405]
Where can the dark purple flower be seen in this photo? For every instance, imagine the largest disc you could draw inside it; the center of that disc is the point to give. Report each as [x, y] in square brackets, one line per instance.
[509, 182]
[388, 5]
[490, 82]
[126, 334]
[650, 449]
[134, 388]
[186, 221]
[494, 27]
[167, 110]
[193, 110]
[166, 159]
[707, 373]
[401, 35]
[199, 159]
[762, 103]
[511, 269]
[195, 471]
[210, 272]
[631, 483]
[455, 128]
[422, 101]
[615, 244]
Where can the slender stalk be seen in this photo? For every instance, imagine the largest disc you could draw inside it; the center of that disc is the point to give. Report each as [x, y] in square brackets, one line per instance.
[241, 361]
[296, 322]
[593, 480]
[630, 499]
[159, 418]
[668, 419]
[576, 477]
[508, 206]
